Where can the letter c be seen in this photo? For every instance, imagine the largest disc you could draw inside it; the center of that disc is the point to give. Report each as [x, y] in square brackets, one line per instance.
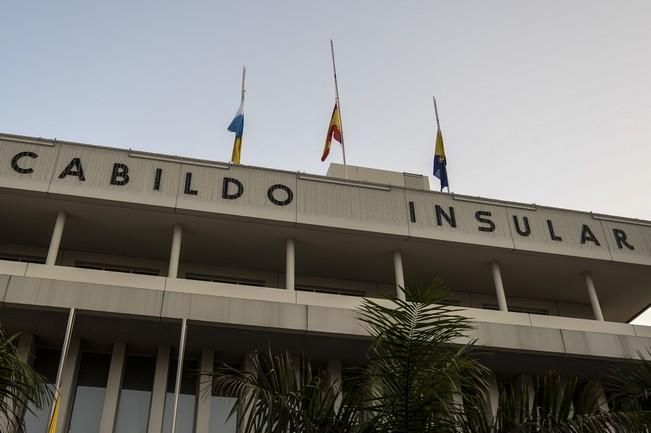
[17, 157]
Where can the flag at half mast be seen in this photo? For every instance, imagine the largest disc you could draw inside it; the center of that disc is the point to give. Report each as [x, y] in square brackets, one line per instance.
[440, 169]
[237, 125]
[440, 162]
[334, 131]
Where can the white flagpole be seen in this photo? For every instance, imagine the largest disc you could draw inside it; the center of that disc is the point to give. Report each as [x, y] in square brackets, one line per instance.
[179, 371]
[243, 80]
[438, 125]
[341, 122]
[62, 360]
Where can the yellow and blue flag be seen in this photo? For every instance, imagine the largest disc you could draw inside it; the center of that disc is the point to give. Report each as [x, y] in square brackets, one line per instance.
[237, 126]
[440, 162]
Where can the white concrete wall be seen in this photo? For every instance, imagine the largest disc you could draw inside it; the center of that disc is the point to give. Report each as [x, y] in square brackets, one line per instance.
[245, 306]
[318, 200]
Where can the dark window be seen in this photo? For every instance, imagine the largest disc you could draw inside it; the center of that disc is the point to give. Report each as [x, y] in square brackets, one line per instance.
[187, 397]
[22, 258]
[135, 396]
[224, 279]
[512, 309]
[330, 290]
[89, 395]
[116, 268]
[46, 363]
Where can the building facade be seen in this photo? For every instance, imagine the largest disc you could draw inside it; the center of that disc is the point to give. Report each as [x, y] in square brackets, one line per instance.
[250, 257]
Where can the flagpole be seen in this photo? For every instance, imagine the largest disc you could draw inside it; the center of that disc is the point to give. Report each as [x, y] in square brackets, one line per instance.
[243, 81]
[179, 371]
[341, 123]
[62, 360]
[438, 125]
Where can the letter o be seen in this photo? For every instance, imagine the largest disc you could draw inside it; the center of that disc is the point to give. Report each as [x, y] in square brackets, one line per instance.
[270, 194]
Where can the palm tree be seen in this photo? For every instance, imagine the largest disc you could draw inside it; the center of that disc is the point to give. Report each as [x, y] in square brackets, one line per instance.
[422, 376]
[416, 370]
[420, 361]
[19, 386]
[280, 394]
[553, 404]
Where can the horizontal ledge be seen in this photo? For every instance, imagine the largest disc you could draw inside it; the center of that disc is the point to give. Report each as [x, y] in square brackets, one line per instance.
[614, 219]
[344, 182]
[144, 155]
[39, 141]
[494, 202]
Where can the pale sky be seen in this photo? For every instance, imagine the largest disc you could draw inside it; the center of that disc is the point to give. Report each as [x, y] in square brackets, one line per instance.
[540, 102]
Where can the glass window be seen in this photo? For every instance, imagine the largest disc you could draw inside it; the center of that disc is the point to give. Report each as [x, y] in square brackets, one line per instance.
[187, 397]
[135, 396]
[46, 363]
[219, 415]
[220, 409]
[89, 396]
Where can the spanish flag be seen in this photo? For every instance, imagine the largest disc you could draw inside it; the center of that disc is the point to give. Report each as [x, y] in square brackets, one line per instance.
[237, 126]
[440, 162]
[334, 131]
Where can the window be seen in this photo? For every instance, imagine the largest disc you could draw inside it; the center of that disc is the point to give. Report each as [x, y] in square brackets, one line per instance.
[116, 268]
[224, 279]
[329, 290]
[528, 310]
[187, 397]
[46, 363]
[135, 396]
[26, 258]
[89, 395]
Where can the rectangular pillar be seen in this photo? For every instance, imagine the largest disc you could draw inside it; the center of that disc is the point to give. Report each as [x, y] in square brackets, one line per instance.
[157, 407]
[594, 300]
[113, 387]
[290, 265]
[399, 274]
[175, 252]
[55, 240]
[499, 286]
[25, 351]
[204, 392]
[336, 379]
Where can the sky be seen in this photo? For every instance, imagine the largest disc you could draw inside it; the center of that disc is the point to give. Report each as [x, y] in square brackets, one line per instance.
[539, 102]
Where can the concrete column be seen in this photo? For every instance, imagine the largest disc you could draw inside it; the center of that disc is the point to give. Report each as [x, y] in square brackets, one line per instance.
[602, 401]
[175, 252]
[399, 273]
[493, 396]
[594, 300]
[113, 387]
[157, 407]
[25, 351]
[243, 415]
[334, 370]
[290, 265]
[55, 241]
[69, 384]
[26, 347]
[499, 286]
[204, 392]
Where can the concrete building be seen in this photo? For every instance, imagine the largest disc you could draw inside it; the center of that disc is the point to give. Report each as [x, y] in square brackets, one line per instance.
[252, 257]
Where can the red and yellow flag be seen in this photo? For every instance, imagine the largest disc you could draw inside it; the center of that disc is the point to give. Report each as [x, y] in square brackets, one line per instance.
[334, 131]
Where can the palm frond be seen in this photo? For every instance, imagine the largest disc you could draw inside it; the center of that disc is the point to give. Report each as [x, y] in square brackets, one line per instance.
[416, 373]
[280, 394]
[20, 385]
